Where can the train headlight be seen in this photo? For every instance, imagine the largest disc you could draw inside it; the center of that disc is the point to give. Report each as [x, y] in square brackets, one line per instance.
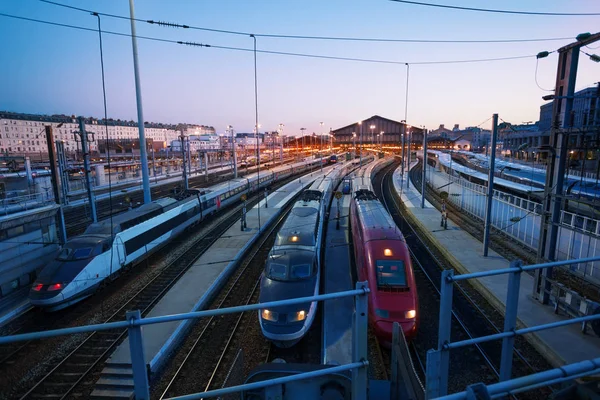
[269, 315]
[412, 314]
[382, 313]
[298, 316]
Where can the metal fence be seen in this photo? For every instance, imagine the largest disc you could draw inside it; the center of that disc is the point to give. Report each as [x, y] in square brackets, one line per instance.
[134, 325]
[11, 205]
[438, 361]
[519, 218]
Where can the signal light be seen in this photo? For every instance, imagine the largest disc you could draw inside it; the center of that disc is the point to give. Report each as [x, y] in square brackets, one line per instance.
[38, 287]
[387, 252]
[56, 286]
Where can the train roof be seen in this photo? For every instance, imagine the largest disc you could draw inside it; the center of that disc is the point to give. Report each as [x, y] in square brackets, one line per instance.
[299, 228]
[104, 227]
[376, 223]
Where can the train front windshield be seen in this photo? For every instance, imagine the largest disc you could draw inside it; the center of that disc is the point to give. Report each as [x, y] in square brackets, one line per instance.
[391, 273]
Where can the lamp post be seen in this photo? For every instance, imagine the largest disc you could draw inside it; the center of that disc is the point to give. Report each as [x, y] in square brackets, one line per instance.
[234, 160]
[321, 145]
[302, 134]
[372, 127]
[354, 145]
[360, 140]
[282, 142]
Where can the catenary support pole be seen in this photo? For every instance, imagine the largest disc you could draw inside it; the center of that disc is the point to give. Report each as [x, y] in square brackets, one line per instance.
[86, 168]
[54, 176]
[183, 159]
[423, 184]
[490, 191]
[138, 95]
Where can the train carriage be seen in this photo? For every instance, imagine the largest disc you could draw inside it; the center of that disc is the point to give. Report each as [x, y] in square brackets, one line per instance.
[383, 259]
[107, 247]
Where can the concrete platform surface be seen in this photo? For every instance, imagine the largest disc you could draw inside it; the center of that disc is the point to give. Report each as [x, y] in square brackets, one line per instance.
[561, 346]
[337, 277]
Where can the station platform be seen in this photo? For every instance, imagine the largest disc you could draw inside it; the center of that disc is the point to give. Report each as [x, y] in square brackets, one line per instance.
[560, 346]
[338, 313]
[195, 290]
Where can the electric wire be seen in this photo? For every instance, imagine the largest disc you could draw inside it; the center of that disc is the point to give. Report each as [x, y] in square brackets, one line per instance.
[307, 55]
[537, 61]
[496, 11]
[308, 37]
[110, 203]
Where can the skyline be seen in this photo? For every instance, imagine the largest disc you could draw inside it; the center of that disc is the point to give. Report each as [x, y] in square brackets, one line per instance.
[215, 87]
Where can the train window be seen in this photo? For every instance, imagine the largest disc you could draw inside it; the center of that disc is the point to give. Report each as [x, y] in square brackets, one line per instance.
[277, 271]
[300, 271]
[390, 273]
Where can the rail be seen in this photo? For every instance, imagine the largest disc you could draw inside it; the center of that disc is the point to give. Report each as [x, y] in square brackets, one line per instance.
[438, 360]
[134, 324]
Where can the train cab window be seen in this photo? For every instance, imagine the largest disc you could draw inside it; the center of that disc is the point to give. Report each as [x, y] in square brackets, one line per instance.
[300, 271]
[391, 273]
[277, 271]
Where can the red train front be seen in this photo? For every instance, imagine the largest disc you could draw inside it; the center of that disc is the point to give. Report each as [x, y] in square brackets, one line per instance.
[383, 259]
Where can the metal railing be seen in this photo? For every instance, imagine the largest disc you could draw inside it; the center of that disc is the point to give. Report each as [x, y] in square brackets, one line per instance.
[11, 205]
[520, 218]
[134, 325]
[438, 361]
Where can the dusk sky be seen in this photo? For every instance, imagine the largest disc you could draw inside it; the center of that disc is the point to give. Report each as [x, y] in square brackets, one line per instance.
[56, 70]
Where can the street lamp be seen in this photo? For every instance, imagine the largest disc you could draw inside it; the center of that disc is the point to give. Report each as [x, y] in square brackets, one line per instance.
[360, 140]
[354, 145]
[381, 139]
[302, 134]
[372, 127]
[234, 160]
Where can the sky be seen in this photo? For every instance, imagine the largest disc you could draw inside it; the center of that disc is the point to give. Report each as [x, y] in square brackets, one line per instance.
[48, 69]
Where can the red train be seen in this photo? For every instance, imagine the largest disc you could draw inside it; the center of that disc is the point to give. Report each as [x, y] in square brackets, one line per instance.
[382, 258]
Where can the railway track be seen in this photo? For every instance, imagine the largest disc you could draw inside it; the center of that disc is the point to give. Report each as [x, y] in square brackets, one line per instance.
[218, 338]
[67, 374]
[472, 315]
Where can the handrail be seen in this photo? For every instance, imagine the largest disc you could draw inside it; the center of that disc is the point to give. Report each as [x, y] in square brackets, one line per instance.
[134, 323]
[535, 381]
[533, 267]
[177, 317]
[438, 361]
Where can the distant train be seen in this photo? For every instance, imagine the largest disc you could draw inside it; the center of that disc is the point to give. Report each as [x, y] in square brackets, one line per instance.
[293, 266]
[333, 159]
[106, 248]
[383, 259]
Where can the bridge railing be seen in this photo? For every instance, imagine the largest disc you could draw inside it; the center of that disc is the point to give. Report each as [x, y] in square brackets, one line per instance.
[134, 323]
[438, 360]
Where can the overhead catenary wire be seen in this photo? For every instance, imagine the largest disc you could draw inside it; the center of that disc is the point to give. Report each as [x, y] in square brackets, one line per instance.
[310, 37]
[496, 11]
[307, 55]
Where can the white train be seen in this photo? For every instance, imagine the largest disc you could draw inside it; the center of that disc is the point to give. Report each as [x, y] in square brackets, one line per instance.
[293, 267]
[104, 250]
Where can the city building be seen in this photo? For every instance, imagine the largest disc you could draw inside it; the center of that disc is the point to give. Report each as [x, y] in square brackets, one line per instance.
[24, 134]
[529, 141]
[372, 127]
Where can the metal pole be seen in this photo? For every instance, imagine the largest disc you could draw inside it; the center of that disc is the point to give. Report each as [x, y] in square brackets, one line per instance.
[490, 193]
[445, 322]
[256, 126]
[510, 321]
[402, 149]
[361, 132]
[359, 353]
[408, 161]
[423, 184]
[235, 172]
[183, 157]
[138, 94]
[154, 166]
[86, 168]
[54, 176]
[321, 147]
[136, 351]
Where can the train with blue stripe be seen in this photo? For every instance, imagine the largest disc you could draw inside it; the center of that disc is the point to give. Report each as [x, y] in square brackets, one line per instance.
[109, 247]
